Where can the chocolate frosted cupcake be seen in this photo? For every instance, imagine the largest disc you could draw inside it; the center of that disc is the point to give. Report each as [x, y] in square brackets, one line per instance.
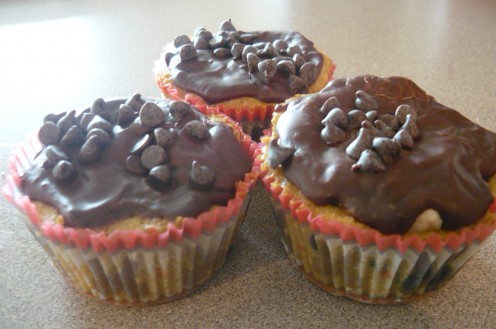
[136, 200]
[382, 193]
[244, 74]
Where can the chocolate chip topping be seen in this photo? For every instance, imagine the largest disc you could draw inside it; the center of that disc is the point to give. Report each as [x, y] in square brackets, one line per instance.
[134, 169]
[49, 133]
[393, 180]
[217, 70]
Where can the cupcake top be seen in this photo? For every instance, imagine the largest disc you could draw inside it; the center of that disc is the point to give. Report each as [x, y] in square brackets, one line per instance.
[135, 157]
[268, 66]
[386, 152]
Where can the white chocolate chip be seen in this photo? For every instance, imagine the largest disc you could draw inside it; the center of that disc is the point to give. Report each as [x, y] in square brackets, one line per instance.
[429, 220]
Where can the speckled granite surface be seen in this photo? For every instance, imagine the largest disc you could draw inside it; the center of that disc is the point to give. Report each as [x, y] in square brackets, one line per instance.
[61, 55]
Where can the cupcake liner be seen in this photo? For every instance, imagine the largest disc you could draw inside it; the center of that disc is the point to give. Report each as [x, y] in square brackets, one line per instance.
[361, 263]
[133, 266]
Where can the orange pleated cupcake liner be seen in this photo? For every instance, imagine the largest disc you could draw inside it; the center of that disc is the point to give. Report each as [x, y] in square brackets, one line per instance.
[133, 266]
[443, 254]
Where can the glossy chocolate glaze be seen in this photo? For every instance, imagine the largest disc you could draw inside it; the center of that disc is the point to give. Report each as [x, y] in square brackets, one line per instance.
[447, 169]
[105, 191]
[220, 79]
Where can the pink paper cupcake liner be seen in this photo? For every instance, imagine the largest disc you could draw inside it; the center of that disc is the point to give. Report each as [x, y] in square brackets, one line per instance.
[133, 266]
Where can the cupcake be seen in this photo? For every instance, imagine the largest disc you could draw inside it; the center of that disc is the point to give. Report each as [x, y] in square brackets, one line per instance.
[381, 192]
[136, 200]
[242, 74]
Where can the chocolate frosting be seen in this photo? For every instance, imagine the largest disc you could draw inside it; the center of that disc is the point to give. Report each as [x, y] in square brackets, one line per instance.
[220, 79]
[446, 169]
[105, 191]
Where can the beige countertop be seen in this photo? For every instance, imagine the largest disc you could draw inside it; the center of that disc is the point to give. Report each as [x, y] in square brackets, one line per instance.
[61, 55]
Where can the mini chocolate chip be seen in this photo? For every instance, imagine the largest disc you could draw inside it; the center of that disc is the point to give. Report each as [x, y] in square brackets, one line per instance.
[404, 138]
[164, 137]
[369, 162]
[80, 116]
[232, 38]
[55, 154]
[135, 102]
[133, 165]
[309, 72]
[388, 149]
[204, 34]
[369, 125]
[199, 30]
[52, 117]
[227, 26]
[217, 41]
[151, 115]
[222, 52]
[200, 43]
[73, 137]
[141, 144]
[252, 60]
[49, 133]
[237, 50]
[153, 156]
[137, 128]
[161, 173]
[365, 102]
[332, 134]
[181, 40]
[337, 117]
[248, 50]
[328, 105]
[293, 50]
[361, 143]
[278, 155]
[286, 67]
[298, 60]
[403, 110]
[296, 84]
[280, 44]
[187, 52]
[268, 67]
[410, 126]
[67, 121]
[91, 151]
[201, 176]
[99, 122]
[168, 57]
[98, 108]
[385, 130]
[248, 38]
[269, 51]
[196, 129]
[85, 120]
[390, 120]
[355, 118]
[126, 115]
[371, 115]
[103, 138]
[63, 170]
[179, 110]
